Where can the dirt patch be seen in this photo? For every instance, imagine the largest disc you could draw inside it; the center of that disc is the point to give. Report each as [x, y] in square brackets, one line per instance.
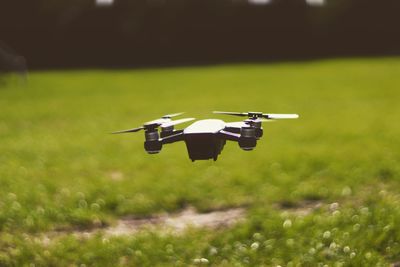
[164, 223]
[116, 175]
[178, 222]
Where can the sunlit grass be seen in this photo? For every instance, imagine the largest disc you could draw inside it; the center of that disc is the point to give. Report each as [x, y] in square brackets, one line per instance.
[60, 169]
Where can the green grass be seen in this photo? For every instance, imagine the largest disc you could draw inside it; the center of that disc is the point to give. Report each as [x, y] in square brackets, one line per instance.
[57, 161]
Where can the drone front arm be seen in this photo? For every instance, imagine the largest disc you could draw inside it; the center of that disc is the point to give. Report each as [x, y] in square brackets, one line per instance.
[229, 136]
[153, 144]
[172, 138]
[234, 127]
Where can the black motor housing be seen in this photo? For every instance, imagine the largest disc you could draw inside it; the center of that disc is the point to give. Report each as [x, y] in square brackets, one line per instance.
[248, 139]
[152, 144]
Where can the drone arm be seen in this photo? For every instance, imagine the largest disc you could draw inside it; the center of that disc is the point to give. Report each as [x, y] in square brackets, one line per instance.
[172, 138]
[234, 127]
[247, 138]
[229, 136]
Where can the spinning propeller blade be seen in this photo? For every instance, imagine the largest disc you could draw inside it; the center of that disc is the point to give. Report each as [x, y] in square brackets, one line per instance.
[156, 122]
[259, 115]
[259, 120]
[129, 130]
[281, 116]
[165, 118]
[241, 114]
[172, 123]
[151, 125]
[168, 116]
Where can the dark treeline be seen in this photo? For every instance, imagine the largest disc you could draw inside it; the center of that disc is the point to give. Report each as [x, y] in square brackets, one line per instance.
[77, 33]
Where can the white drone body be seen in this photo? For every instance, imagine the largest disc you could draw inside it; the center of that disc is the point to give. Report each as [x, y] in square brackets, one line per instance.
[205, 139]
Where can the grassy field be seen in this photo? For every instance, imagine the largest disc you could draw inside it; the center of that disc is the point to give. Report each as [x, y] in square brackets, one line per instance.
[60, 170]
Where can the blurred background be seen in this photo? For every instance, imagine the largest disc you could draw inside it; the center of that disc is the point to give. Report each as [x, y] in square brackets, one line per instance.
[46, 34]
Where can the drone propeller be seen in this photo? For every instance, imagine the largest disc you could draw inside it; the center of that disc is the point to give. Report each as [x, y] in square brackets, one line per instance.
[272, 116]
[250, 120]
[168, 116]
[129, 130]
[150, 125]
[165, 118]
[241, 114]
[173, 123]
[259, 115]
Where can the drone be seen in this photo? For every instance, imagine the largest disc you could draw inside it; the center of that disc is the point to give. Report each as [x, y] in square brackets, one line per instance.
[205, 139]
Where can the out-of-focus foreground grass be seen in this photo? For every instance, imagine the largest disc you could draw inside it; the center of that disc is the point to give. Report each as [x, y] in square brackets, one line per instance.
[60, 169]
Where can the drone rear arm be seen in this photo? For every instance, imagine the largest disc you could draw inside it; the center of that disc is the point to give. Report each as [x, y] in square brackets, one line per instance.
[247, 139]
